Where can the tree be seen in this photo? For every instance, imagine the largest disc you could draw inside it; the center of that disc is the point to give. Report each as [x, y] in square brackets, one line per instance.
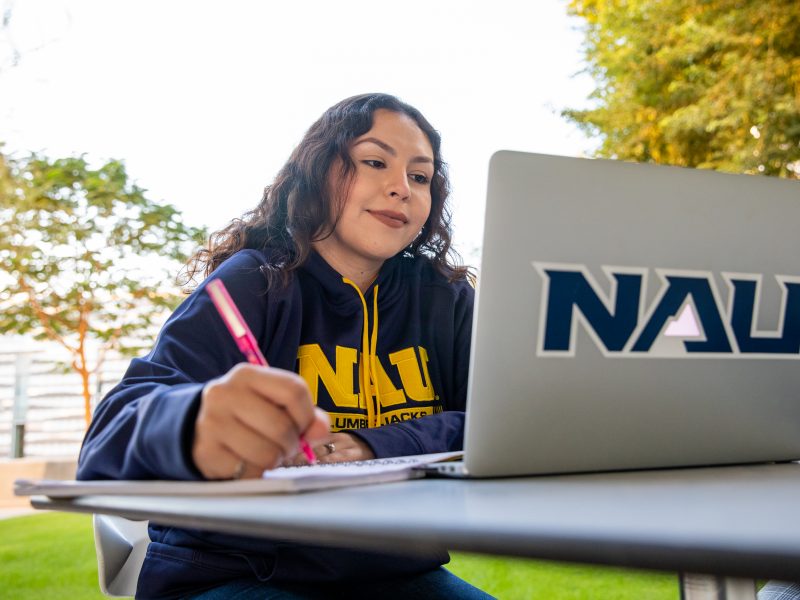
[83, 257]
[709, 84]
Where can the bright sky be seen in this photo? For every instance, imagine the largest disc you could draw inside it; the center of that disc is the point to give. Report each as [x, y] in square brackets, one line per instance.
[204, 101]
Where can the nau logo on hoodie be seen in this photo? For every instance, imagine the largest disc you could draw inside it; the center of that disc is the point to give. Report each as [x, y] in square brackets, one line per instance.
[410, 366]
[686, 317]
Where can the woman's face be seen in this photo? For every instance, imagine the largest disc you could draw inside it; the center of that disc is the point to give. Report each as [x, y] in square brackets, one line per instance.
[389, 199]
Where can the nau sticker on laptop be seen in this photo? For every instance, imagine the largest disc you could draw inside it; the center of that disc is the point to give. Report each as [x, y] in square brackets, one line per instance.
[685, 319]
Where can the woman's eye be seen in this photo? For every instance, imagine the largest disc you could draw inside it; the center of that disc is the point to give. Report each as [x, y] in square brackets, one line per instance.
[419, 178]
[375, 164]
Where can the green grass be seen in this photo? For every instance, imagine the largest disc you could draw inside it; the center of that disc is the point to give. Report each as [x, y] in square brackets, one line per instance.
[522, 579]
[51, 556]
[48, 556]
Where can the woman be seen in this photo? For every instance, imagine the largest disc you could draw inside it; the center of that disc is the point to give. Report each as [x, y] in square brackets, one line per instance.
[342, 272]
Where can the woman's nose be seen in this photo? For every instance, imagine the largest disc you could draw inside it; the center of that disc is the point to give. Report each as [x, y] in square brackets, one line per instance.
[397, 183]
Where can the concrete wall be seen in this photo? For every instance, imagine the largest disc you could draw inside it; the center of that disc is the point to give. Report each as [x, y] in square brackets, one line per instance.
[30, 468]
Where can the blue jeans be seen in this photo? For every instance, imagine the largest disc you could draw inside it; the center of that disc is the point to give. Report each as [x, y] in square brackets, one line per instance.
[439, 584]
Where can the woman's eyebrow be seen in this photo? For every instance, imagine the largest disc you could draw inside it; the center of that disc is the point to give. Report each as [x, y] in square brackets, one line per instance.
[392, 151]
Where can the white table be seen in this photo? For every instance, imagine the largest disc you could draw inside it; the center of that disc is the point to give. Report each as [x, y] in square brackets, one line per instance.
[728, 521]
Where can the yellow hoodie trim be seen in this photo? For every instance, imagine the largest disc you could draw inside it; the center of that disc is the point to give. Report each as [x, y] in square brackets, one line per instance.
[368, 367]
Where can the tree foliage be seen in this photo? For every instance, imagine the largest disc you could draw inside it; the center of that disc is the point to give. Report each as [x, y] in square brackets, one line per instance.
[84, 256]
[701, 83]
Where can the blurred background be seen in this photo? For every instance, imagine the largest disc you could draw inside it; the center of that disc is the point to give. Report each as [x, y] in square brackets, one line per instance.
[204, 101]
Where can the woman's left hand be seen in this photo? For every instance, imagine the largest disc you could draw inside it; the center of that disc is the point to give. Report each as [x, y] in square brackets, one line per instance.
[341, 447]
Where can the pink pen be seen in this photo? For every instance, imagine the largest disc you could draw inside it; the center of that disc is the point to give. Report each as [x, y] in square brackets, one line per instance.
[244, 338]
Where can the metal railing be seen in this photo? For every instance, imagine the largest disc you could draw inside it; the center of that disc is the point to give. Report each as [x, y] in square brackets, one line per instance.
[41, 401]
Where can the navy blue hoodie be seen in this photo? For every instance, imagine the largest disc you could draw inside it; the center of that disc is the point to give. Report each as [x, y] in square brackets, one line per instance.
[318, 325]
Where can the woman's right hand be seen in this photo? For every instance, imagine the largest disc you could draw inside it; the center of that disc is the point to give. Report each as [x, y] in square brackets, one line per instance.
[251, 419]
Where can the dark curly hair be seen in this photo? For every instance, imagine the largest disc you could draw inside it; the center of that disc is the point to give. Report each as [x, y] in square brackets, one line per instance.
[294, 211]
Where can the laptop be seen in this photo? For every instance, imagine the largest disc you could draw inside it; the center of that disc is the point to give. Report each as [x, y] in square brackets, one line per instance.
[632, 316]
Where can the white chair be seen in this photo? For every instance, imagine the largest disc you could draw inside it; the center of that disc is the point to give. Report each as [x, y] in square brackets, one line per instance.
[120, 545]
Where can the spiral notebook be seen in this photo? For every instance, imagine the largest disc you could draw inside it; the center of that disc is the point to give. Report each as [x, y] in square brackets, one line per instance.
[275, 481]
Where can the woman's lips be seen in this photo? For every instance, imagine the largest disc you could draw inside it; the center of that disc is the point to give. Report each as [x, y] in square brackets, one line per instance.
[389, 218]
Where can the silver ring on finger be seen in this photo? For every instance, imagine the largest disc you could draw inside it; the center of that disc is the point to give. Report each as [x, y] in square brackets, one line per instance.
[330, 447]
[237, 474]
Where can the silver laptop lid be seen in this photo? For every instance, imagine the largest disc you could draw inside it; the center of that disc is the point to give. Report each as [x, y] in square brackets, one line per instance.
[633, 316]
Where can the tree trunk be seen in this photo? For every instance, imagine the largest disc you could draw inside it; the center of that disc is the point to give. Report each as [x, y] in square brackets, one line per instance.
[82, 368]
[87, 395]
